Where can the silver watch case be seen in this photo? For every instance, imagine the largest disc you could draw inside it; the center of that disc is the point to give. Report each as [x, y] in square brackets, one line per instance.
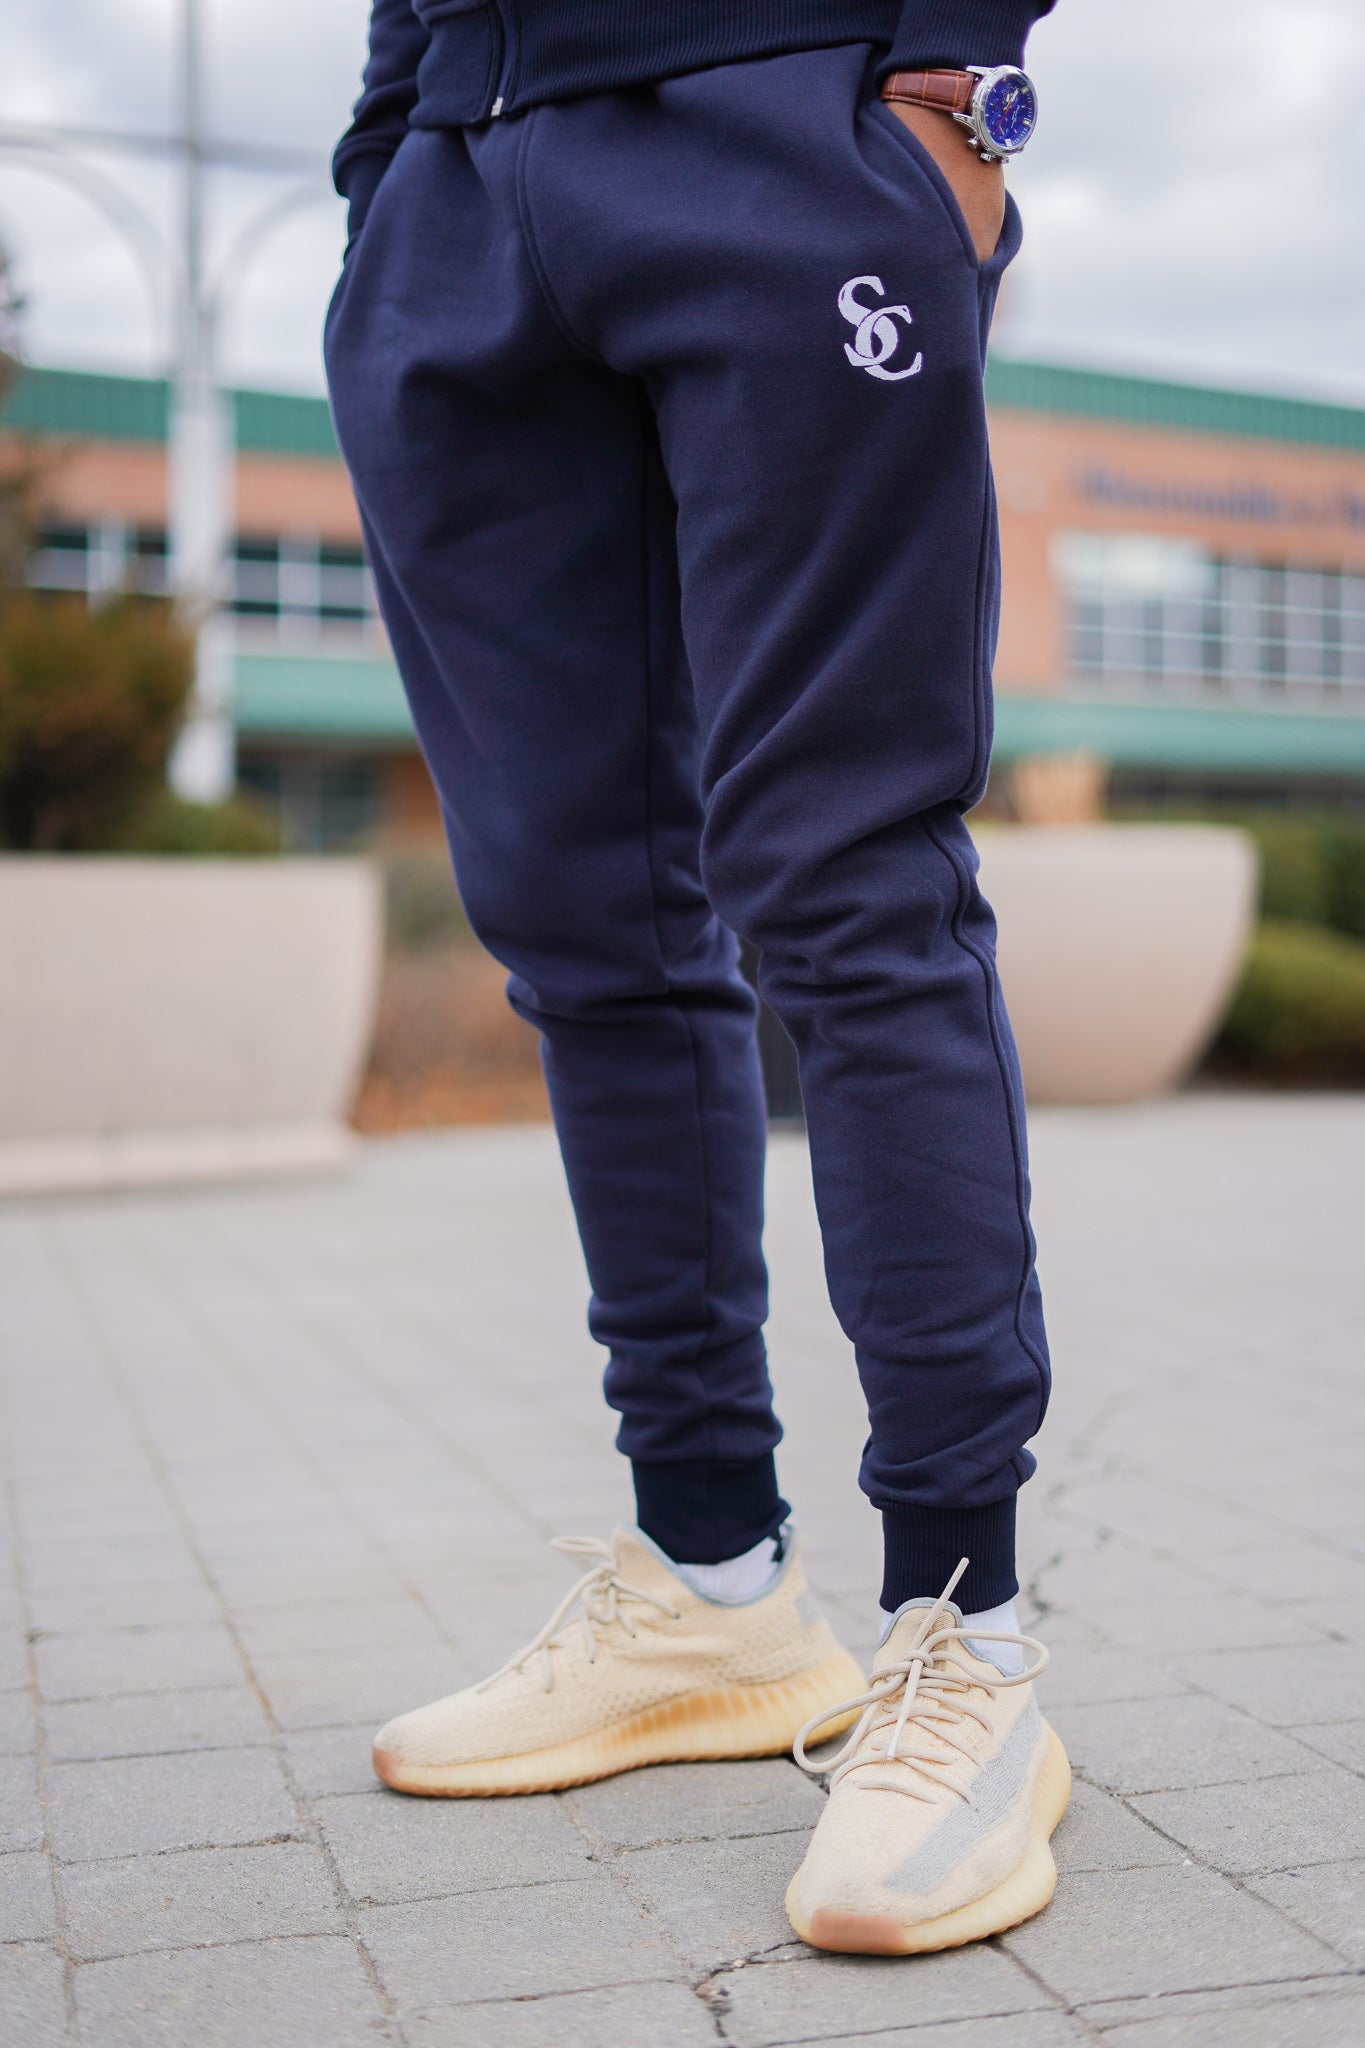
[973, 121]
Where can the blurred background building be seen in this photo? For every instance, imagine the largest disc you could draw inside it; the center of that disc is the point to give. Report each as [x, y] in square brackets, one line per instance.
[1184, 587]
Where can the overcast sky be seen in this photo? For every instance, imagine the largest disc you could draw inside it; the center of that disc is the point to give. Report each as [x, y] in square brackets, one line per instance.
[1190, 207]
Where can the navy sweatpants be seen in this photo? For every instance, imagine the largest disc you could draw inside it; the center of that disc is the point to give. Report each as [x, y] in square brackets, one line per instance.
[664, 412]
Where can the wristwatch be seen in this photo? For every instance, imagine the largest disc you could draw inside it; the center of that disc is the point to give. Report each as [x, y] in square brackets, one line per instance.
[996, 104]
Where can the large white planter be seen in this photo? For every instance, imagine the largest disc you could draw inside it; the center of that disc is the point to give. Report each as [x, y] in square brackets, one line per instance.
[1119, 949]
[180, 1019]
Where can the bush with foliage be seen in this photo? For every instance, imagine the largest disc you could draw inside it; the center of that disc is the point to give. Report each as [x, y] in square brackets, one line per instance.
[89, 703]
[1312, 869]
[1299, 1011]
[167, 824]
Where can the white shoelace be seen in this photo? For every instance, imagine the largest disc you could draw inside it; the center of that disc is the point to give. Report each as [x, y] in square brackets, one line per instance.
[598, 1595]
[920, 1695]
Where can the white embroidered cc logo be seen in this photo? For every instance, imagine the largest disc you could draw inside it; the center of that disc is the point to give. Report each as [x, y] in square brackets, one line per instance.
[878, 336]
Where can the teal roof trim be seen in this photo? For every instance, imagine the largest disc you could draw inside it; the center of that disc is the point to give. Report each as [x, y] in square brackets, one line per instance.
[276, 423]
[342, 699]
[279, 423]
[1231, 739]
[328, 697]
[1143, 401]
[100, 408]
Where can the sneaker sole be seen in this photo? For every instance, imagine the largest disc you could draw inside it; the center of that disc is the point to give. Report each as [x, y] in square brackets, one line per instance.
[731, 1722]
[1024, 1892]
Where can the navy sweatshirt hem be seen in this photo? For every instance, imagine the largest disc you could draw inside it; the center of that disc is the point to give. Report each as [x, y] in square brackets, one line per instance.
[454, 63]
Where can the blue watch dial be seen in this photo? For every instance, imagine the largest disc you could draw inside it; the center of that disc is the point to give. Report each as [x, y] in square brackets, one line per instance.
[1008, 111]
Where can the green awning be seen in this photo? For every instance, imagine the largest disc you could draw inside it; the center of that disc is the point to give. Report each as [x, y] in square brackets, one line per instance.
[1233, 738]
[349, 700]
[337, 698]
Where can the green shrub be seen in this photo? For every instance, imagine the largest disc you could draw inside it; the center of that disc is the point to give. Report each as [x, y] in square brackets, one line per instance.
[170, 825]
[1293, 867]
[1299, 1011]
[1344, 852]
[89, 704]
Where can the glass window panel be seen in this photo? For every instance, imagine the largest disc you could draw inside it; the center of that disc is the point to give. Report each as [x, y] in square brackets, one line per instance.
[343, 590]
[1353, 631]
[1087, 635]
[1250, 629]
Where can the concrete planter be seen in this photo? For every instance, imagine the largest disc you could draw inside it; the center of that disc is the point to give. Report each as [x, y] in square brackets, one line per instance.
[170, 1020]
[1119, 949]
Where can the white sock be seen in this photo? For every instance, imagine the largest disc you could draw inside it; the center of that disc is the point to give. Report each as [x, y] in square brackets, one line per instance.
[738, 1578]
[1007, 1657]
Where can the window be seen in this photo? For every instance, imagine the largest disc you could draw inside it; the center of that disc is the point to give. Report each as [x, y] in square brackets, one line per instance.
[256, 579]
[62, 559]
[302, 584]
[322, 801]
[1148, 615]
[295, 584]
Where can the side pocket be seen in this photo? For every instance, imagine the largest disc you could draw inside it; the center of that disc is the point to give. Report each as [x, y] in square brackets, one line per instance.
[926, 171]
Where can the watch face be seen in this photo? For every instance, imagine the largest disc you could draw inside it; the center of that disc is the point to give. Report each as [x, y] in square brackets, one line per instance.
[1008, 111]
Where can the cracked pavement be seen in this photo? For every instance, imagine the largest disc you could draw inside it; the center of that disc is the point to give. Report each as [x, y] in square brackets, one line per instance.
[283, 1460]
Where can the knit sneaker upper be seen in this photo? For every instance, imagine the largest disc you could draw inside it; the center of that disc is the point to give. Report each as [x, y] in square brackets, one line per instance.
[631, 1635]
[931, 1798]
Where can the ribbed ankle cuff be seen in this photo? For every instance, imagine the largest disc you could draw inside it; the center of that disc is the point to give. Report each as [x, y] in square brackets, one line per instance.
[704, 1510]
[924, 1545]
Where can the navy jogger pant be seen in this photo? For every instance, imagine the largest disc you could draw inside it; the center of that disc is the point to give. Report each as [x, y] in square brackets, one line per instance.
[664, 412]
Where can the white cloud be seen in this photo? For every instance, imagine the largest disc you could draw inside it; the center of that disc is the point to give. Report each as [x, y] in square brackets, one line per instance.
[1190, 208]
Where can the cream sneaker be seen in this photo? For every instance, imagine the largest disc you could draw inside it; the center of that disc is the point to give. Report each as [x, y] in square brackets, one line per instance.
[942, 1801]
[633, 1667]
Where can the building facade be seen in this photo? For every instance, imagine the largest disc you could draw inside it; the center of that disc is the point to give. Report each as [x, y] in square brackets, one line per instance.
[1184, 586]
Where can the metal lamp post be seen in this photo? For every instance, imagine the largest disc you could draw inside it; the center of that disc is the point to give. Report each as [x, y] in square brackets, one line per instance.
[201, 450]
[201, 437]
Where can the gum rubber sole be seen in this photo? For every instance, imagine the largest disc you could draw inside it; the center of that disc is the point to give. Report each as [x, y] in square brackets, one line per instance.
[729, 1722]
[1027, 1889]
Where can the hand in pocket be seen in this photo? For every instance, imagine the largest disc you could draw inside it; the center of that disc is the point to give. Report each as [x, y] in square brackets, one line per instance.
[978, 188]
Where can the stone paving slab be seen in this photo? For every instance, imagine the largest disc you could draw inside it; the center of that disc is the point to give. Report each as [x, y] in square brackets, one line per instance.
[1101, 1832]
[808, 1998]
[514, 1942]
[33, 1995]
[695, 1802]
[1326, 1898]
[127, 1806]
[283, 1460]
[155, 1724]
[28, 1908]
[280, 1994]
[1272, 2016]
[1263, 1825]
[624, 2016]
[193, 1898]
[390, 1849]
[1154, 1746]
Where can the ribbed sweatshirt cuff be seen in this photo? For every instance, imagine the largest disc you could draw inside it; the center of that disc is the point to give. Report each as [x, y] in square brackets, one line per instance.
[923, 1546]
[954, 33]
[704, 1510]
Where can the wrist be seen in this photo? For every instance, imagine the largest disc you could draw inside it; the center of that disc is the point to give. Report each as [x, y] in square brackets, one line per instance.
[994, 107]
[978, 188]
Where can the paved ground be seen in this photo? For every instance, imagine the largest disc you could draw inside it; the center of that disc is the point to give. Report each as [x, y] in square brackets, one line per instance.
[283, 1462]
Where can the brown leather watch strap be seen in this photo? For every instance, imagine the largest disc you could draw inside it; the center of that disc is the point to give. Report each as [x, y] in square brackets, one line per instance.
[950, 91]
